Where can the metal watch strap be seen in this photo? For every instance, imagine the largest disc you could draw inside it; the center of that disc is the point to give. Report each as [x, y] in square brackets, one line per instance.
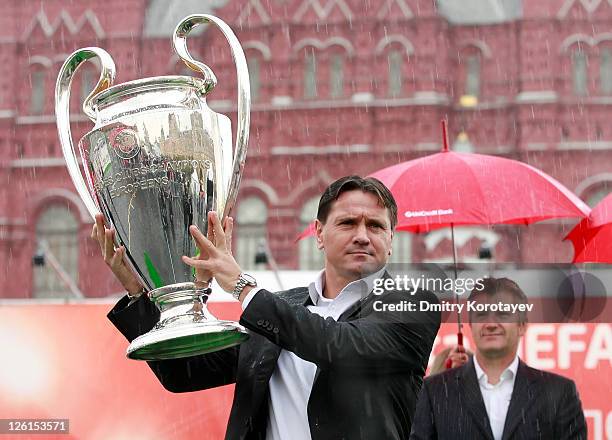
[240, 285]
[243, 281]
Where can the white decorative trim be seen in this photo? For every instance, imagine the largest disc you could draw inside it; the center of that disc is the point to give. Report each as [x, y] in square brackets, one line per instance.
[430, 98]
[576, 38]
[259, 46]
[39, 59]
[428, 146]
[282, 212]
[322, 11]
[394, 148]
[38, 162]
[585, 145]
[583, 38]
[433, 99]
[4, 114]
[65, 18]
[362, 97]
[321, 45]
[319, 150]
[592, 181]
[388, 39]
[6, 221]
[282, 101]
[589, 5]
[537, 96]
[480, 45]
[263, 187]
[248, 9]
[384, 11]
[220, 104]
[537, 146]
[48, 119]
[65, 194]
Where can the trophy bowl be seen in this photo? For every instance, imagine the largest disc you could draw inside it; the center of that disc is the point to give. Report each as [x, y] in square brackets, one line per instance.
[157, 160]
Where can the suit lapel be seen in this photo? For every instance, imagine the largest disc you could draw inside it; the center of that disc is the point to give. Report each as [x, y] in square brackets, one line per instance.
[522, 397]
[471, 397]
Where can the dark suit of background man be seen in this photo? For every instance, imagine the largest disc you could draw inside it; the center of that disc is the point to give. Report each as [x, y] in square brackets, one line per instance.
[494, 395]
[321, 363]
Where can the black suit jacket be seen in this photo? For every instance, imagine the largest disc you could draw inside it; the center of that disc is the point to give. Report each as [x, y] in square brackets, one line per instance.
[370, 364]
[543, 406]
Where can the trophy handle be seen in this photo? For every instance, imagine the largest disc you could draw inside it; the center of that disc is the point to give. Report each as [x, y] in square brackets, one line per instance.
[244, 90]
[62, 113]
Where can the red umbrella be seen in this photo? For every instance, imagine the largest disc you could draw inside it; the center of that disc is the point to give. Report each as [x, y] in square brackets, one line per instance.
[592, 237]
[450, 189]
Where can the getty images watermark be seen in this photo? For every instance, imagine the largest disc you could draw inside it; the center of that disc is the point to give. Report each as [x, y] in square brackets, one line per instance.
[460, 286]
[554, 293]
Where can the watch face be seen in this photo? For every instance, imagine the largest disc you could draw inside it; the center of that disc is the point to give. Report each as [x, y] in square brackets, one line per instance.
[249, 279]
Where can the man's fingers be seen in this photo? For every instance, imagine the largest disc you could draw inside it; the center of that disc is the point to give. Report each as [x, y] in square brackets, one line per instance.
[198, 264]
[210, 233]
[117, 257]
[100, 231]
[109, 247]
[218, 229]
[229, 229]
[203, 243]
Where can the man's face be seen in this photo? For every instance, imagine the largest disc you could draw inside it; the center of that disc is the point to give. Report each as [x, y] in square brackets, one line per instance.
[496, 334]
[356, 236]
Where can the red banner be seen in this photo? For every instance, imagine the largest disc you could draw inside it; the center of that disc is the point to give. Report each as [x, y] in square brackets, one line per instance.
[68, 362]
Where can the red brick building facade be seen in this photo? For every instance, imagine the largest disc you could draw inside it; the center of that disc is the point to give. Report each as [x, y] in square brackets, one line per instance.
[339, 87]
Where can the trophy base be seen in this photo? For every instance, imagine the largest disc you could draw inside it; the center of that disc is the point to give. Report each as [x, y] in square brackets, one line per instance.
[186, 327]
[186, 340]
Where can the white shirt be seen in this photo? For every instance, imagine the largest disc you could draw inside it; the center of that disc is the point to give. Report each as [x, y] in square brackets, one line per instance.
[292, 380]
[497, 397]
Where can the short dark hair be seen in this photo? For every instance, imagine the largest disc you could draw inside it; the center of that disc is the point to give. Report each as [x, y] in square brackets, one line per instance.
[351, 183]
[492, 286]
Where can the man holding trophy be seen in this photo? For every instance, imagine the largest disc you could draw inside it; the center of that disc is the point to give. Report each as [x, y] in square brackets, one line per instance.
[316, 362]
[320, 363]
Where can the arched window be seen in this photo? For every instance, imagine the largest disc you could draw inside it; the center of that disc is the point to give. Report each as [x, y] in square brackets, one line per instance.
[37, 101]
[472, 75]
[251, 219]
[394, 75]
[336, 75]
[311, 258]
[471, 64]
[580, 72]
[57, 238]
[310, 74]
[394, 50]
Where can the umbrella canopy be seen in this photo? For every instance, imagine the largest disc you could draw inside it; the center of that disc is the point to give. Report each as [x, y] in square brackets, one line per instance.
[450, 188]
[592, 237]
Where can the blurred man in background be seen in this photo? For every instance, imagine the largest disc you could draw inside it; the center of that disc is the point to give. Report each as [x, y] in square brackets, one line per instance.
[494, 395]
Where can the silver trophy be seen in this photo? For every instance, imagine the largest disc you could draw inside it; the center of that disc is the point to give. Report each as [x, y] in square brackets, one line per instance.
[157, 161]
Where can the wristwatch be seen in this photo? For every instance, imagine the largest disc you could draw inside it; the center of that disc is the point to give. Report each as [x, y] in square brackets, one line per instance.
[244, 279]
